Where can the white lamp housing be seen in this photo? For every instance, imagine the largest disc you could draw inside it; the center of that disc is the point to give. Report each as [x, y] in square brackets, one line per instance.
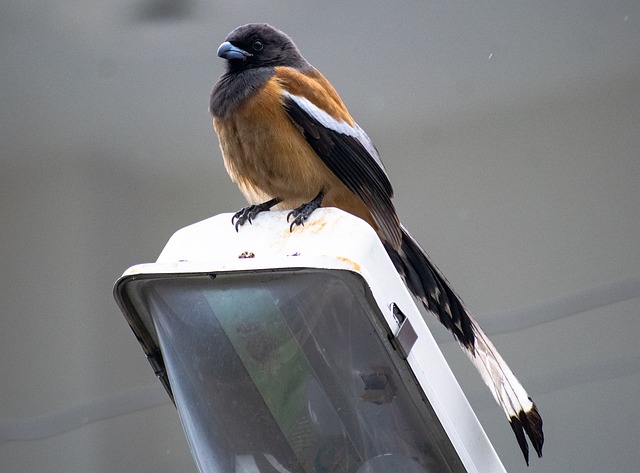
[299, 351]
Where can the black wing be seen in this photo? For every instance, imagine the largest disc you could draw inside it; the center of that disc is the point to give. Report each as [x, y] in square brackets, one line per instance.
[350, 155]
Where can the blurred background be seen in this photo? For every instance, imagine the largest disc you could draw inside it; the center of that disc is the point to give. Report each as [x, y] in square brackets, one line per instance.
[511, 132]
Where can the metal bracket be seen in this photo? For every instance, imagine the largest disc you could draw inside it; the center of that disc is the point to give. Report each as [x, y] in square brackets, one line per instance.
[406, 336]
[157, 363]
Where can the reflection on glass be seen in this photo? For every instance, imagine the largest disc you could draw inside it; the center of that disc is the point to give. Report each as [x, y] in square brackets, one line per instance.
[286, 372]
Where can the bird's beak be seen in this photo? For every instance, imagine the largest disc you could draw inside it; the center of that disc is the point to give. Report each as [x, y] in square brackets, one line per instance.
[232, 53]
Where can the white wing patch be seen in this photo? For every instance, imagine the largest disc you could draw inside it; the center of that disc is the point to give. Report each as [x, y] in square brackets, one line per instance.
[338, 126]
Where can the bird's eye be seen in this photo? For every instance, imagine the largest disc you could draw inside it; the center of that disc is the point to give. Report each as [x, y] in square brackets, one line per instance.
[257, 45]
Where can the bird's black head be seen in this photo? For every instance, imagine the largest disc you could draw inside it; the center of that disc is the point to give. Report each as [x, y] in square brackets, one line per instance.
[259, 45]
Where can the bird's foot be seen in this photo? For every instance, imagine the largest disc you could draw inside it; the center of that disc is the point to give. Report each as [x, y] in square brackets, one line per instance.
[247, 214]
[298, 215]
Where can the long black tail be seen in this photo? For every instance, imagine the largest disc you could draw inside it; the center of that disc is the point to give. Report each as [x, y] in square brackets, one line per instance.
[426, 282]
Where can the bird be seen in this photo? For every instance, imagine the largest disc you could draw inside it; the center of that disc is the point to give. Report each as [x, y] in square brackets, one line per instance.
[289, 142]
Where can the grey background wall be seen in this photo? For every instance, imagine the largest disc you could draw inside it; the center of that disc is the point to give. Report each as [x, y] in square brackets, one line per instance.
[511, 132]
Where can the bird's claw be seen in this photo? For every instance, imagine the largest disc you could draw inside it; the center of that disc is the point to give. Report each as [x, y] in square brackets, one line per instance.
[247, 214]
[298, 218]
[302, 213]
